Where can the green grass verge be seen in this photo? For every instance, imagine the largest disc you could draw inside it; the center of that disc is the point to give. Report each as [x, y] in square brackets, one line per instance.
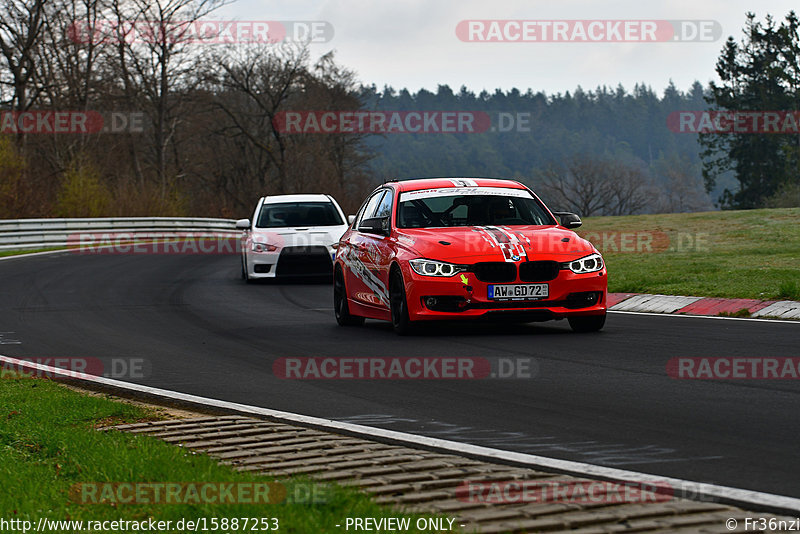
[20, 252]
[734, 254]
[48, 444]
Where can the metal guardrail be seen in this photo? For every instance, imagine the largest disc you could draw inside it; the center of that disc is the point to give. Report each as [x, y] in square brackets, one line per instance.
[26, 234]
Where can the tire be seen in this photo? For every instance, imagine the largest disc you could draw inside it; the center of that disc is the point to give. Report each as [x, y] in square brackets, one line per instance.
[245, 276]
[587, 323]
[340, 307]
[401, 323]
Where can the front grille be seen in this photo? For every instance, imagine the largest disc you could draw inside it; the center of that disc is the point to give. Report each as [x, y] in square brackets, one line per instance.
[495, 271]
[304, 261]
[538, 271]
[304, 251]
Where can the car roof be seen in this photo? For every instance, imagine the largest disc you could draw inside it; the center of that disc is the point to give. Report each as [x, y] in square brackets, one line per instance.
[435, 183]
[296, 198]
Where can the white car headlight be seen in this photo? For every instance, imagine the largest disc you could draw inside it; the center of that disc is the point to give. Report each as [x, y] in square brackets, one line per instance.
[435, 268]
[263, 247]
[588, 264]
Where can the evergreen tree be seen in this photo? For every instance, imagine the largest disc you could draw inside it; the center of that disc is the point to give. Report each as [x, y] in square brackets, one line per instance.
[758, 74]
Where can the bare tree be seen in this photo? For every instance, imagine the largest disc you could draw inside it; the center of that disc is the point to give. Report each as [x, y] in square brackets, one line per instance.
[68, 60]
[259, 83]
[594, 186]
[582, 186]
[156, 59]
[21, 24]
[631, 189]
[682, 186]
[334, 88]
[69, 76]
[212, 142]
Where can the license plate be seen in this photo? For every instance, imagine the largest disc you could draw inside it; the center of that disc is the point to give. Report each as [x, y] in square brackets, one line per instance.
[518, 291]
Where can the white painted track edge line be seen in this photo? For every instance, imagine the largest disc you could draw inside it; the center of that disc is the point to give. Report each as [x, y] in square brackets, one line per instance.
[736, 496]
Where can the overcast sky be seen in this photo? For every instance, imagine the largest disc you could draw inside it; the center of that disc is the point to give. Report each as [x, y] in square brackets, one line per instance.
[413, 43]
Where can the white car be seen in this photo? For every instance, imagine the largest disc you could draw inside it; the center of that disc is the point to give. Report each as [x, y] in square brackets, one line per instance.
[291, 235]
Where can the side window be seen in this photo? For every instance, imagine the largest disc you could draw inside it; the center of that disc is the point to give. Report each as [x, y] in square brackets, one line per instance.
[369, 208]
[385, 207]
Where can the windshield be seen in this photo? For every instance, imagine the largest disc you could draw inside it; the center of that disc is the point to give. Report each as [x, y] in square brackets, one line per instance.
[472, 208]
[293, 214]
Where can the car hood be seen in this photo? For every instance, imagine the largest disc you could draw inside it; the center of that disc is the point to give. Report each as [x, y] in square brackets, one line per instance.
[300, 236]
[495, 243]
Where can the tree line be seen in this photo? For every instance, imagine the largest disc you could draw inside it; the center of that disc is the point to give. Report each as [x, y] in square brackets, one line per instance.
[207, 142]
[206, 145]
[600, 152]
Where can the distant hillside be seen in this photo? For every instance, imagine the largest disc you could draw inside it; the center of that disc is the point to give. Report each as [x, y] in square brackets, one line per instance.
[613, 124]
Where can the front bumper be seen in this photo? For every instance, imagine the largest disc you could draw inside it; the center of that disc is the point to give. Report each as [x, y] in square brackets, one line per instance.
[291, 262]
[570, 295]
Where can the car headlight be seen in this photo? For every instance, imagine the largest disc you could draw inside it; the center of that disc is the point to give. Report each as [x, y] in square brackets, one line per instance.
[435, 268]
[588, 264]
[263, 247]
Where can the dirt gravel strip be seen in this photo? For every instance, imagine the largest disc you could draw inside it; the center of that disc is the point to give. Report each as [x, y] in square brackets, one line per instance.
[418, 480]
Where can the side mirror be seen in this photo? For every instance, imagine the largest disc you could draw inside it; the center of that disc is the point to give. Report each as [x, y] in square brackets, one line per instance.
[350, 219]
[375, 225]
[568, 220]
[243, 224]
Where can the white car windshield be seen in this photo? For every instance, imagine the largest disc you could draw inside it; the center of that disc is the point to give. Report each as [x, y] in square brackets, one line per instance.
[294, 214]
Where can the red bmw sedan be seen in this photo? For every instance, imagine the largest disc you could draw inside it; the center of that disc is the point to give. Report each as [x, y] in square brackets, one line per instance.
[464, 248]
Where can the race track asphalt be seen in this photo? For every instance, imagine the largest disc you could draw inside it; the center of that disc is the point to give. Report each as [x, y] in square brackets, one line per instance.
[603, 398]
